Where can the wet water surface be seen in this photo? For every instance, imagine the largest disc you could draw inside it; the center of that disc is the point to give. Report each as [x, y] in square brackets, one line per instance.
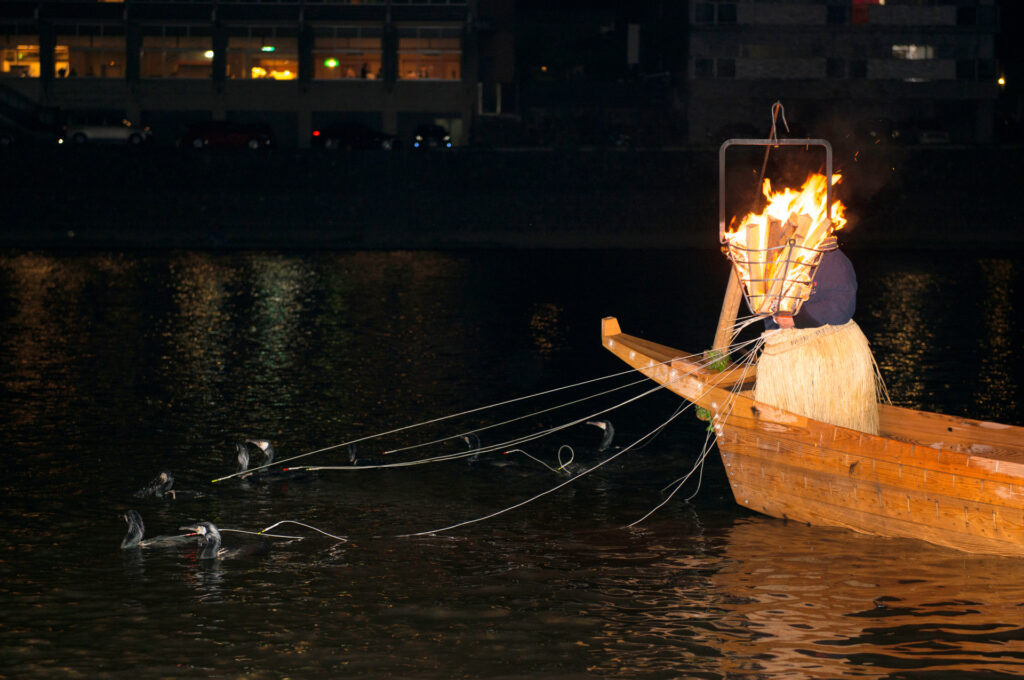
[116, 366]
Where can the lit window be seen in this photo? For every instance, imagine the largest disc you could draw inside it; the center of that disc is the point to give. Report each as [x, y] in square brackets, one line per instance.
[20, 55]
[176, 56]
[429, 54]
[270, 57]
[347, 53]
[913, 52]
[97, 54]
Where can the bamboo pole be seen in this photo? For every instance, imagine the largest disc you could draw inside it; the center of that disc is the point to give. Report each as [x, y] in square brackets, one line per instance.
[727, 317]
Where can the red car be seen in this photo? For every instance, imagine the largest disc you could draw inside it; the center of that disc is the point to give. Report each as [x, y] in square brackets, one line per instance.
[224, 134]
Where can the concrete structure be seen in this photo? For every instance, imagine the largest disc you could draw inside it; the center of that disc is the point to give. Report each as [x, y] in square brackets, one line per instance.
[391, 64]
[677, 70]
[928, 65]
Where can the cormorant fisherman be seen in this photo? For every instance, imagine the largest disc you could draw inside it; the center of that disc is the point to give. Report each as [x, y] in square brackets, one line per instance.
[818, 363]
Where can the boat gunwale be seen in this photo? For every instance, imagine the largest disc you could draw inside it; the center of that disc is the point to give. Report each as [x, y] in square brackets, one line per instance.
[701, 386]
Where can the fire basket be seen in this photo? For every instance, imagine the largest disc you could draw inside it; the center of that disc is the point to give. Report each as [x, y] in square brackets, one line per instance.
[776, 253]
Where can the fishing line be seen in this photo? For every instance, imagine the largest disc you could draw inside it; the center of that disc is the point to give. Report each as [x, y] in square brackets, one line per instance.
[745, 364]
[705, 449]
[678, 484]
[561, 464]
[487, 449]
[308, 526]
[520, 440]
[512, 420]
[256, 533]
[263, 532]
[557, 486]
[421, 424]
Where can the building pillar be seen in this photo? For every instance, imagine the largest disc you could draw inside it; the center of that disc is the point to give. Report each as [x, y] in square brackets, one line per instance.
[47, 44]
[389, 55]
[307, 67]
[132, 48]
[220, 56]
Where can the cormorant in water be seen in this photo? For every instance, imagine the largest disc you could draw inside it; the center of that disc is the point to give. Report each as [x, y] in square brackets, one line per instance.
[208, 538]
[264, 446]
[473, 442]
[609, 433]
[160, 487]
[136, 530]
[243, 456]
[263, 473]
[243, 459]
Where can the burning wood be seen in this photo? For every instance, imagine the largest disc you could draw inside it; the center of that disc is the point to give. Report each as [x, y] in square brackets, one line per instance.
[777, 251]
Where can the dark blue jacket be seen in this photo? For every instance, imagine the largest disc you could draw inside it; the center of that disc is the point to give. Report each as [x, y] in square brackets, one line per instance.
[833, 294]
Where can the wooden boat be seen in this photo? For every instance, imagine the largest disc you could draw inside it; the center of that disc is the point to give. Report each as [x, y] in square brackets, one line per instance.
[949, 481]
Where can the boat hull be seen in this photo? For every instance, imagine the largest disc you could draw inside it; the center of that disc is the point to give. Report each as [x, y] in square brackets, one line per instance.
[949, 481]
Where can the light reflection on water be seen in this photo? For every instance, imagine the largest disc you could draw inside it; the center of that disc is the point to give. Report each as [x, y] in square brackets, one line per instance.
[115, 366]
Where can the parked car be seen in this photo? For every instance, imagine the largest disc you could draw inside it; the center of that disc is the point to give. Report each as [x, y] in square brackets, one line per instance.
[225, 134]
[431, 137]
[12, 135]
[923, 132]
[878, 130]
[114, 132]
[351, 136]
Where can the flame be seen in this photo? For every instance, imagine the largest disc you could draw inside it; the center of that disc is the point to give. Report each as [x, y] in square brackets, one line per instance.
[776, 252]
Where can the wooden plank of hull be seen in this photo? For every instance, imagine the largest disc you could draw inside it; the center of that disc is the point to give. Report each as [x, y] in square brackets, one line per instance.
[951, 481]
[847, 453]
[970, 436]
[764, 483]
[816, 512]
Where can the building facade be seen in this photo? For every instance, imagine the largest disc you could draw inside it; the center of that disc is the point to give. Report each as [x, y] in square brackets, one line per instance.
[924, 64]
[295, 65]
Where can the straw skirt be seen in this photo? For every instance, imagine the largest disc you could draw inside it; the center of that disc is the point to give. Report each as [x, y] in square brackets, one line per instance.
[825, 373]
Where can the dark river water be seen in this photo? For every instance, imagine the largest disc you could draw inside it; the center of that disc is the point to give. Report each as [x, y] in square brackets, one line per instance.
[117, 366]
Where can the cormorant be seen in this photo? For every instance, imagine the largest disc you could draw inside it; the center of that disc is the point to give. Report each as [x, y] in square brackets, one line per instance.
[208, 539]
[160, 487]
[609, 433]
[473, 442]
[136, 530]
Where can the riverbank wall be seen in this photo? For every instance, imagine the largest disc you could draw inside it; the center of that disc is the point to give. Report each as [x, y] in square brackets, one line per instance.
[117, 197]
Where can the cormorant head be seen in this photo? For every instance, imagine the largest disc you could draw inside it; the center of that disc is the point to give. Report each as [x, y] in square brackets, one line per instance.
[609, 432]
[136, 529]
[208, 538]
[265, 447]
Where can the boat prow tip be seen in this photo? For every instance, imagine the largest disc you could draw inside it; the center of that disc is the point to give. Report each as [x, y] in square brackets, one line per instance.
[610, 326]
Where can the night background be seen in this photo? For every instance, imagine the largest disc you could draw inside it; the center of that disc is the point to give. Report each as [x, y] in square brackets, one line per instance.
[607, 114]
[354, 227]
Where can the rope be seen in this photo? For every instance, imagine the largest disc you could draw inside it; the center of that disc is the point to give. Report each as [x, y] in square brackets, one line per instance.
[263, 532]
[601, 464]
[705, 450]
[561, 464]
[543, 493]
[512, 420]
[308, 526]
[777, 109]
[515, 442]
[493, 447]
[420, 424]
[789, 339]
